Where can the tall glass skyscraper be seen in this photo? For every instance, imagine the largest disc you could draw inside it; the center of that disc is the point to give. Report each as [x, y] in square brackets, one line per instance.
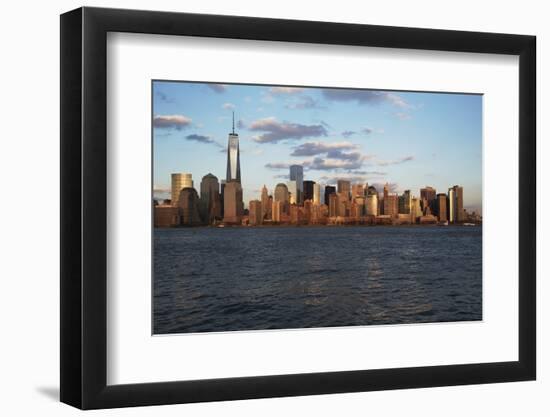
[233, 156]
[297, 174]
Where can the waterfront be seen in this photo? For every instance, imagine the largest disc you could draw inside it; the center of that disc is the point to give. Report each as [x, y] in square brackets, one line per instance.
[212, 279]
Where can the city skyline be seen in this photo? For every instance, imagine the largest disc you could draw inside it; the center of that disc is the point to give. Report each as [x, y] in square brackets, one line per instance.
[439, 153]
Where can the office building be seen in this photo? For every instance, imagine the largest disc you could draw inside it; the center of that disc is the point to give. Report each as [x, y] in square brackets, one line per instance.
[293, 192]
[309, 190]
[371, 204]
[179, 182]
[281, 195]
[344, 188]
[329, 189]
[276, 210]
[333, 205]
[210, 203]
[390, 203]
[166, 215]
[255, 217]
[455, 204]
[442, 207]
[297, 175]
[357, 190]
[316, 194]
[233, 202]
[233, 156]
[265, 202]
[188, 207]
[427, 197]
[405, 202]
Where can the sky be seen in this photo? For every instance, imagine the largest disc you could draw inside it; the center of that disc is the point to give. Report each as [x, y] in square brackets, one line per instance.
[407, 139]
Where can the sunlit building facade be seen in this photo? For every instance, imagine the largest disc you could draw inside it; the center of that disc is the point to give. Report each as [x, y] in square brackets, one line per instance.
[179, 182]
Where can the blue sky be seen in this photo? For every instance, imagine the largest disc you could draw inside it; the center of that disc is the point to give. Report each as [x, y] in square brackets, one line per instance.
[407, 139]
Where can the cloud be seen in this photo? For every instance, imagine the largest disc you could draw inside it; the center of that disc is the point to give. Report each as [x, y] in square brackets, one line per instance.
[228, 106]
[276, 131]
[174, 121]
[376, 173]
[164, 97]
[364, 97]
[218, 88]
[277, 165]
[317, 148]
[200, 138]
[367, 130]
[241, 124]
[304, 102]
[285, 90]
[351, 161]
[403, 116]
[348, 133]
[395, 161]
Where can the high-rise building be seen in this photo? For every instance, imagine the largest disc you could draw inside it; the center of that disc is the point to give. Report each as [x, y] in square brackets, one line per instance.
[333, 204]
[442, 207]
[427, 196]
[281, 194]
[416, 209]
[179, 182]
[292, 187]
[309, 187]
[371, 190]
[255, 217]
[297, 174]
[329, 189]
[265, 202]
[344, 187]
[456, 204]
[316, 194]
[233, 202]
[276, 210]
[210, 204]
[371, 204]
[188, 207]
[405, 202]
[357, 190]
[233, 156]
[390, 203]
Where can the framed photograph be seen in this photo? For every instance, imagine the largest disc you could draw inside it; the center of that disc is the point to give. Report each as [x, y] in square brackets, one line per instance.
[257, 208]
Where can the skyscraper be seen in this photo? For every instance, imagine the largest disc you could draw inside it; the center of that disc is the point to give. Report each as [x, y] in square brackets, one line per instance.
[329, 189]
[357, 190]
[316, 194]
[233, 202]
[456, 204]
[233, 156]
[405, 202]
[179, 182]
[188, 207]
[210, 204]
[297, 174]
[265, 202]
[371, 204]
[293, 191]
[309, 190]
[344, 188]
[442, 207]
[255, 217]
[427, 196]
[281, 194]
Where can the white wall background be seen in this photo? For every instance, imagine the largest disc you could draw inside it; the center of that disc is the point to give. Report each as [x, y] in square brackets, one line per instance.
[29, 220]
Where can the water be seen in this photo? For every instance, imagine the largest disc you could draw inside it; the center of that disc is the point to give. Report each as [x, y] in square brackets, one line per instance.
[208, 279]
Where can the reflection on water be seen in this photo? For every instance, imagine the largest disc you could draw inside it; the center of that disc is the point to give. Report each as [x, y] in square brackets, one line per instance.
[208, 279]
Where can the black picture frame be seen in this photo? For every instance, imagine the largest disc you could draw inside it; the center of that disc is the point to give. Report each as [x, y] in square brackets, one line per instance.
[84, 207]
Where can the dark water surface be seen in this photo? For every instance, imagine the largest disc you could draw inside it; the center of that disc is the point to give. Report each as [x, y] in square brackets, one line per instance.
[208, 279]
